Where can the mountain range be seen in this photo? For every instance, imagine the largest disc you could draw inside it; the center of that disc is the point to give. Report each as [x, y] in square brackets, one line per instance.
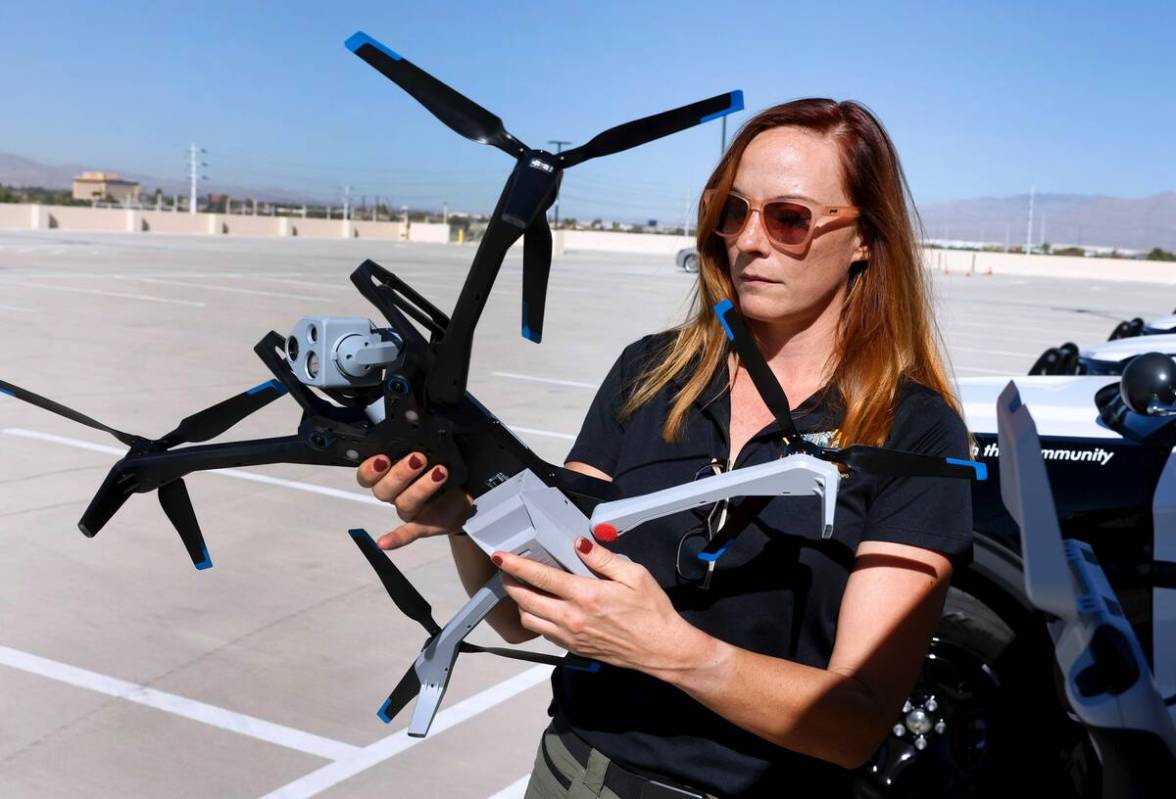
[1137, 223]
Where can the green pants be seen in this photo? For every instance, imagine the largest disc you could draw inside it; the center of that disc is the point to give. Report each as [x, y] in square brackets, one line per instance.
[586, 782]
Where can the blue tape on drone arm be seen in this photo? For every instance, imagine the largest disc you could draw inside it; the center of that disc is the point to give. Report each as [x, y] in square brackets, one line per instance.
[383, 711]
[710, 557]
[359, 39]
[276, 385]
[981, 469]
[528, 333]
[721, 309]
[206, 563]
[6, 391]
[736, 105]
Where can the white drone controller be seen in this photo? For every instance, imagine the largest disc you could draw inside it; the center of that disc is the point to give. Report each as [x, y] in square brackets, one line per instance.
[526, 517]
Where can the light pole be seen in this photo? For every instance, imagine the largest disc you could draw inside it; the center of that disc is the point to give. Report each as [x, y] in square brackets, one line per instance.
[559, 143]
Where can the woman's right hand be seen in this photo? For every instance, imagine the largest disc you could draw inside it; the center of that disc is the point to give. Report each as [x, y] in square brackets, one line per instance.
[410, 486]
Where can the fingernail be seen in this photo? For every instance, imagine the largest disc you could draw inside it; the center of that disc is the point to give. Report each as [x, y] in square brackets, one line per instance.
[416, 462]
[497, 559]
[584, 545]
[381, 464]
[438, 475]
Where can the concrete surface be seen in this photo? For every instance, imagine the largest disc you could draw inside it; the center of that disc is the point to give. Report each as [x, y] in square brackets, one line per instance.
[125, 673]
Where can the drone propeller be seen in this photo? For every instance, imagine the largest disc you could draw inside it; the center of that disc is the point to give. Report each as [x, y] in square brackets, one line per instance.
[456, 110]
[121, 482]
[211, 422]
[69, 413]
[176, 503]
[646, 129]
[406, 597]
[877, 460]
[536, 270]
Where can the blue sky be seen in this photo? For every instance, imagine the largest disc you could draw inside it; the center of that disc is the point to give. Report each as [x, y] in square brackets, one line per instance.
[981, 98]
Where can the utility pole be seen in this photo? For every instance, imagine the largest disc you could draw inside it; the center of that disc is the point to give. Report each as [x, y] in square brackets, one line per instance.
[194, 167]
[1029, 230]
[445, 213]
[559, 144]
[346, 202]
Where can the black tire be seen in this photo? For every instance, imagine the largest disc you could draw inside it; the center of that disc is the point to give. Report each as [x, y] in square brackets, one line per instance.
[690, 262]
[1004, 731]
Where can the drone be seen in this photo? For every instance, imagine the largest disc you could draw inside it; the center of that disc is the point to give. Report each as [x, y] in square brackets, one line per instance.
[366, 389]
[1107, 682]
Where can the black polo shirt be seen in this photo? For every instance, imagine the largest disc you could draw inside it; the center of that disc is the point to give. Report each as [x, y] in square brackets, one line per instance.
[776, 590]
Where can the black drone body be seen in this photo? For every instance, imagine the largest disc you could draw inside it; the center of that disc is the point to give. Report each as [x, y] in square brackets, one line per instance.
[426, 405]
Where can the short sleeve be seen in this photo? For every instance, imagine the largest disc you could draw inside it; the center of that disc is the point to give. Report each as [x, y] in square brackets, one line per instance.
[599, 442]
[930, 512]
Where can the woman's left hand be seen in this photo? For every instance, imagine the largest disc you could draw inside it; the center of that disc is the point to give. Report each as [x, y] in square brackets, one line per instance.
[624, 619]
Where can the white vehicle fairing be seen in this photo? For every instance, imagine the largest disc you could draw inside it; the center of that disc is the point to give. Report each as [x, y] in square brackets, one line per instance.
[1122, 348]
[1061, 405]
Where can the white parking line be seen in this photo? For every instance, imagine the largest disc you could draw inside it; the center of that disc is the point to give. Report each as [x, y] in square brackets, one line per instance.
[515, 376]
[1008, 372]
[147, 297]
[515, 790]
[547, 433]
[233, 289]
[987, 351]
[181, 706]
[330, 775]
[14, 308]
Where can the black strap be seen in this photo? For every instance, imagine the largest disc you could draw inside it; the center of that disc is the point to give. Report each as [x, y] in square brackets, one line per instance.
[761, 374]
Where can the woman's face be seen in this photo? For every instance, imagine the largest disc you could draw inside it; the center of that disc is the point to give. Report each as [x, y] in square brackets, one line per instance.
[790, 162]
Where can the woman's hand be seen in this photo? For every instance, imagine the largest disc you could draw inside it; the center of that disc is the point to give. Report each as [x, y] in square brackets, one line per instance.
[409, 485]
[624, 619]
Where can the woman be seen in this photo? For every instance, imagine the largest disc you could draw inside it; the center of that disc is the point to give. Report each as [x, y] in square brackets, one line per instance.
[781, 667]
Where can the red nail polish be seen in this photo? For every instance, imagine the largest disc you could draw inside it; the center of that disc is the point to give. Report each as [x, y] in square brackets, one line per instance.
[416, 462]
[497, 560]
[584, 545]
[605, 532]
[438, 475]
[381, 464]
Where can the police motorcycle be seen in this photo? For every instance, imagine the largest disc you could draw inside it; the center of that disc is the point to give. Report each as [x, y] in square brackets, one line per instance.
[1129, 338]
[1069, 697]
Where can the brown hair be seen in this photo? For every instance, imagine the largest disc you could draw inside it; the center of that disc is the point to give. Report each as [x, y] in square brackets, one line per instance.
[886, 331]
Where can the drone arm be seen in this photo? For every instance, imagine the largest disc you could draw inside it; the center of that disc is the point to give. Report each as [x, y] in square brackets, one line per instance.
[152, 469]
[795, 475]
[435, 663]
[447, 383]
[395, 299]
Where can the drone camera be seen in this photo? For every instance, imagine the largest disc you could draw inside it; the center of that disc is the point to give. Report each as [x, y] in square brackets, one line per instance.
[341, 351]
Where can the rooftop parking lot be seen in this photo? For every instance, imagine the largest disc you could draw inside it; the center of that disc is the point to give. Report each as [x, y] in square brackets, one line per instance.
[124, 672]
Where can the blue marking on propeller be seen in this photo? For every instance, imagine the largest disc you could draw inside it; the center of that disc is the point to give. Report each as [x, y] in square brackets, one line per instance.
[359, 39]
[721, 312]
[981, 469]
[207, 562]
[736, 105]
[711, 557]
[276, 385]
[383, 711]
[528, 333]
[592, 666]
[6, 391]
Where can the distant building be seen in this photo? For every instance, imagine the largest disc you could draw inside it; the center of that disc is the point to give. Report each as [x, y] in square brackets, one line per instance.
[103, 185]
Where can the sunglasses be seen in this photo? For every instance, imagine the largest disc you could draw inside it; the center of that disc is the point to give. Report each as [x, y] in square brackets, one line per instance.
[695, 564]
[790, 224]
